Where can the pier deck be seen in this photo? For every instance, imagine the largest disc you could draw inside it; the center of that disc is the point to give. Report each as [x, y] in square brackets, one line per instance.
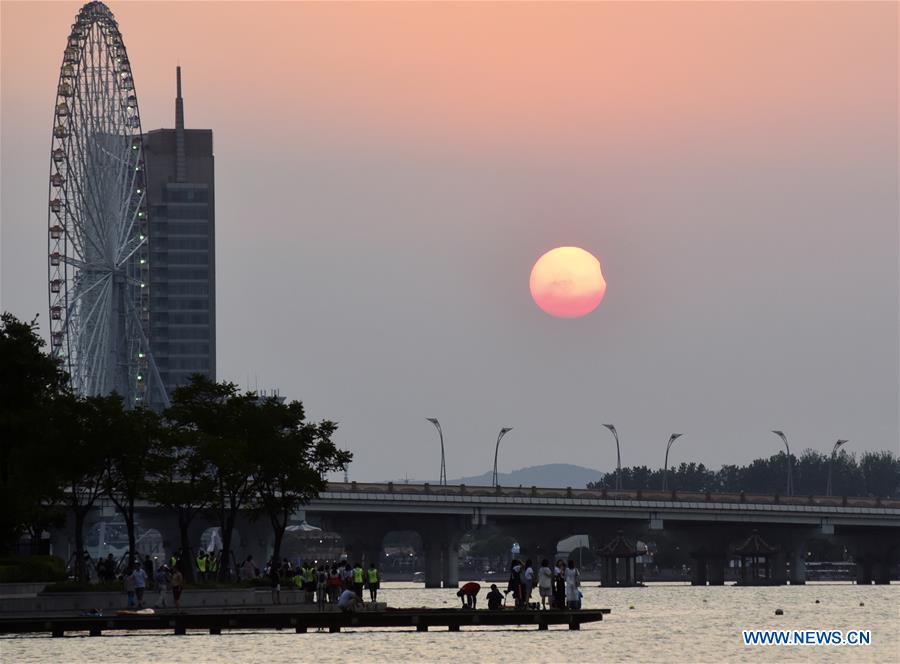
[300, 622]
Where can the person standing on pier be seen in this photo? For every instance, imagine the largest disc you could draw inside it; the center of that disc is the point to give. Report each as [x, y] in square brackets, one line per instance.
[545, 583]
[321, 586]
[177, 582]
[201, 565]
[573, 586]
[140, 584]
[373, 580]
[358, 579]
[528, 584]
[128, 580]
[515, 582]
[275, 579]
[559, 585]
[148, 570]
[162, 582]
[334, 584]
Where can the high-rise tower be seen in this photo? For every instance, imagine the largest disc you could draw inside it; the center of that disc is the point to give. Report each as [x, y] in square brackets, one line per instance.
[181, 189]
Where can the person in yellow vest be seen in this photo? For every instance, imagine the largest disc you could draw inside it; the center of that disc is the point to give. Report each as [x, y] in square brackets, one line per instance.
[373, 581]
[298, 579]
[201, 564]
[309, 581]
[358, 579]
[212, 565]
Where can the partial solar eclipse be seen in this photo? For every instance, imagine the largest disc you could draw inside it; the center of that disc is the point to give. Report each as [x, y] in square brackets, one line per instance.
[567, 282]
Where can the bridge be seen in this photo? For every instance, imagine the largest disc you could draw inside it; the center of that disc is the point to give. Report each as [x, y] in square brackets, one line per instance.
[707, 525]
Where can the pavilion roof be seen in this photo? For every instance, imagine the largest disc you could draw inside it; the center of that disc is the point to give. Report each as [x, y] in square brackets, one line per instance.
[755, 545]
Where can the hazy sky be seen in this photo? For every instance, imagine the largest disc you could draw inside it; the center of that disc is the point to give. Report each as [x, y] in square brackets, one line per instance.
[388, 173]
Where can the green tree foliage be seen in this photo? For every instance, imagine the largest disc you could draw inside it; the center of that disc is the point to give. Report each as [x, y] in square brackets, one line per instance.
[290, 459]
[258, 454]
[211, 412]
[180, 481]
[881, 473]
[30, 384]
[875, 474]
[131, 437]
[81, 434]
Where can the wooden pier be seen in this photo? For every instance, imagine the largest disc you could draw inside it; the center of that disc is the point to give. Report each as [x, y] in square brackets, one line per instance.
[300, 622]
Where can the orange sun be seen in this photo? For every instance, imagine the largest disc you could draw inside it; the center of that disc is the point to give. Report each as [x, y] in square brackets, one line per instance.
[567, 282]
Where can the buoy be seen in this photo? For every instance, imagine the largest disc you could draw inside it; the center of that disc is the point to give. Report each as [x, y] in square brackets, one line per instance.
[631, 607]
[817, 601]
[862, 603]
[779, 612]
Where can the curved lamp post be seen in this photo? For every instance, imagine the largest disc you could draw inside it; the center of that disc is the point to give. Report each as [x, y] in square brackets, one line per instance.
[618, 457]
[790, 479]
[834, 450]
[503, 432]
[672, 439]
[437, 425]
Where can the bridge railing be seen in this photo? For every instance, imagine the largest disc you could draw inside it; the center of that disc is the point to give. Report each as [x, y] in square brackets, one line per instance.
[610, 494]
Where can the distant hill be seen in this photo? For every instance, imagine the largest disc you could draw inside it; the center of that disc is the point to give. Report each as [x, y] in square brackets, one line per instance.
[548, 475]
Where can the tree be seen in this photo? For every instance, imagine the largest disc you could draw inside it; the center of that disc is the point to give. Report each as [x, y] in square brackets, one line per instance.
[881, 473]
[213, 412]
[180, 481]
[130, 439]
[30, 384]
[291, 457]
[77, 458]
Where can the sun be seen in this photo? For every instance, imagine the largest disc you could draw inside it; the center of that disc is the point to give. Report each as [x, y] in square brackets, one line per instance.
[567, 282]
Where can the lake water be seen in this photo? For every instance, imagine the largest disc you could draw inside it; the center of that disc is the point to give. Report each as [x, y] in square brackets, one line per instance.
[669, 623]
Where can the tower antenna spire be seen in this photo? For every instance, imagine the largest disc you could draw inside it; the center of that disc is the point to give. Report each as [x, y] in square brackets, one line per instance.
[180, 167]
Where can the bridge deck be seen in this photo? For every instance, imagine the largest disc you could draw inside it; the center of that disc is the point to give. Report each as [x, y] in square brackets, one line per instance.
[214, 623]
[569, 493]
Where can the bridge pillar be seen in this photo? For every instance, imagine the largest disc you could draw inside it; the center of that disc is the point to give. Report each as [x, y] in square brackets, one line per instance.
[450, 565]
[715, 568]
[779, 568]
[698, 574]
[864, 571]
[607, 572]
[432, 565]
[881, 572]
[798, 567]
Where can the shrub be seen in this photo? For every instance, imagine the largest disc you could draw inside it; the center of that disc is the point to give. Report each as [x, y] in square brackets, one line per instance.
[27, 569]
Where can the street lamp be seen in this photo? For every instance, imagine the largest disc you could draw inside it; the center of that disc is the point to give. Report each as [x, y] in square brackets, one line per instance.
[503, 432]
[834, 450]
[790, 479]
[437, 425]
[618, 457]
[672, 439]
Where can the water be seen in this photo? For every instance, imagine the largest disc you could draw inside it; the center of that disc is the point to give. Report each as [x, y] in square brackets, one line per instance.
[669, 623]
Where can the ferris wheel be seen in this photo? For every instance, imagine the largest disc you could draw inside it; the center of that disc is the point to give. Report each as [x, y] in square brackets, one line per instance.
[98, 233]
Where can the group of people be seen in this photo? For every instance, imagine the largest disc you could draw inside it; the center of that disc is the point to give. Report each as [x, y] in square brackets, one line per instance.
[559, 587]
[337, 583]
[136, 581]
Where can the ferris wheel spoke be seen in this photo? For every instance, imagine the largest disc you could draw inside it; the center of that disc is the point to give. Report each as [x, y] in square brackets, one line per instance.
[128, 241]
[88, 200]
[90, 325]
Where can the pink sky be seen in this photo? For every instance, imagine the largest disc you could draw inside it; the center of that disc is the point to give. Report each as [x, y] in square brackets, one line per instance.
[387, 174]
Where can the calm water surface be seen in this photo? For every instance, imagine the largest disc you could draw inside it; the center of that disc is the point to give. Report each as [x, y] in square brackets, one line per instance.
[669, 623]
